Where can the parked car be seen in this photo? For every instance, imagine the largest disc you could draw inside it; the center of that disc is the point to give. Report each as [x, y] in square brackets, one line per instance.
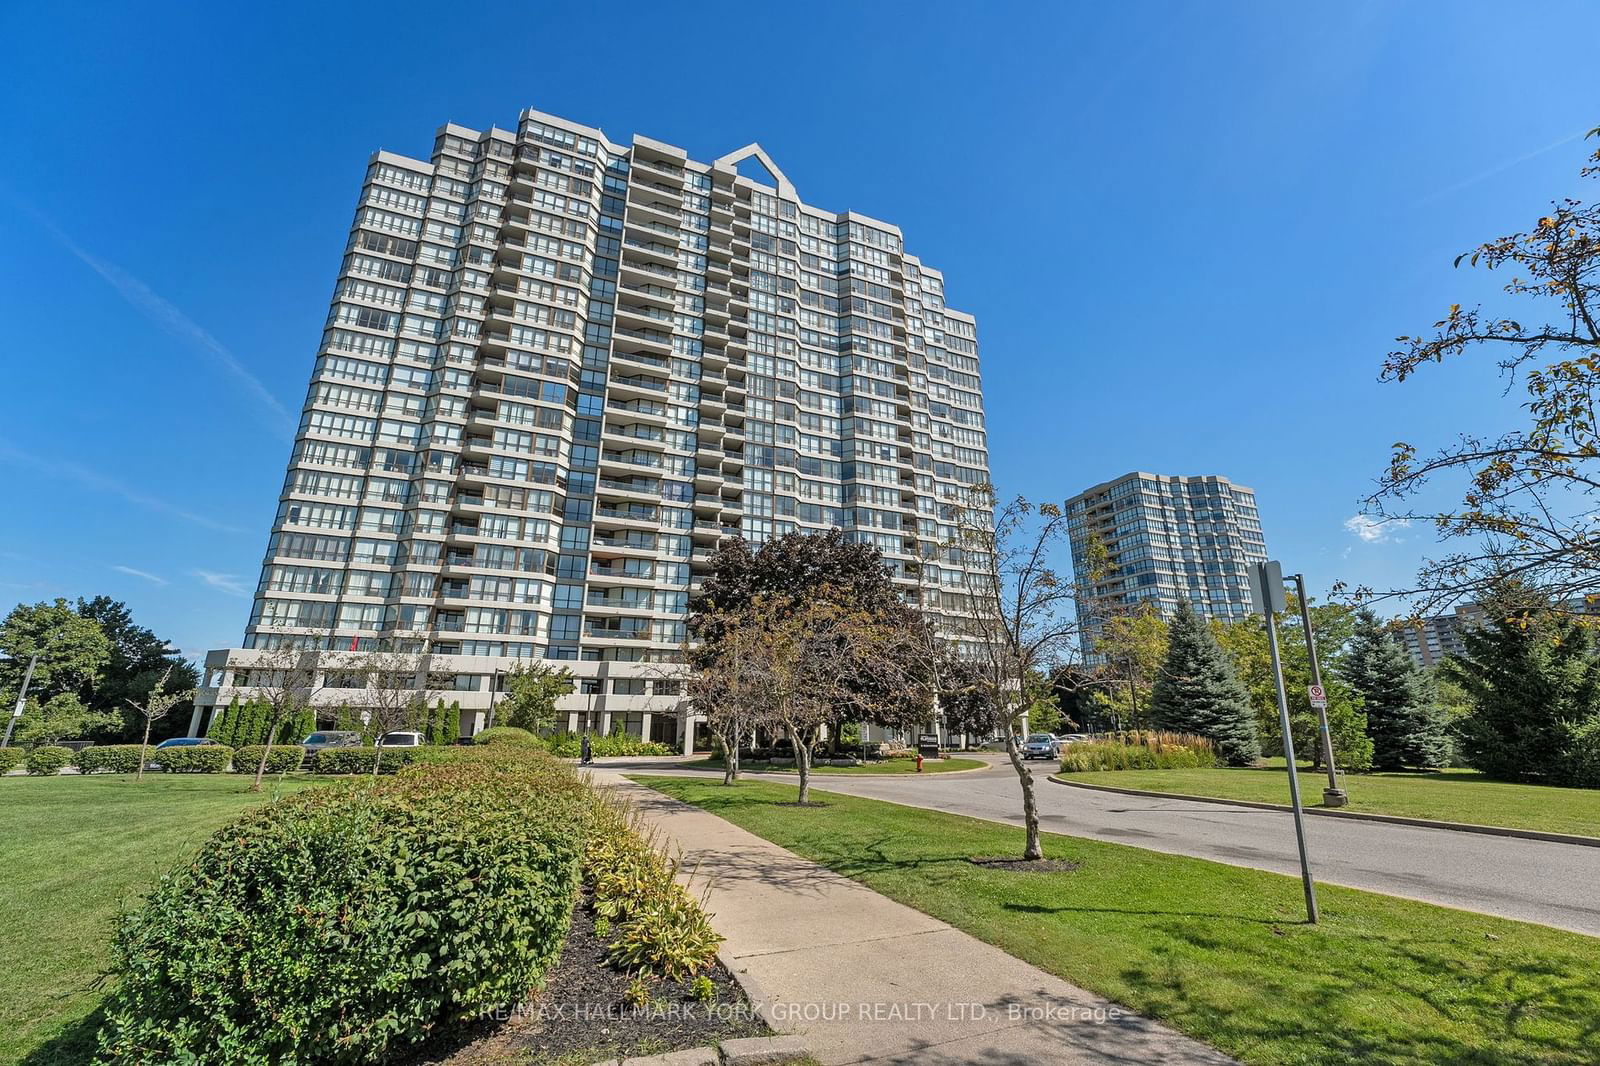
[401, 738]
[1072, 738]
[175, 742]
[329, 738]
[1041, 746]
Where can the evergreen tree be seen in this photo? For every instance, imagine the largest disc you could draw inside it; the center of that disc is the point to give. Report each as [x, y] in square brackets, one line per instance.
[1403, 720]
[1533, 682]
[223, 723]
[1197, 692]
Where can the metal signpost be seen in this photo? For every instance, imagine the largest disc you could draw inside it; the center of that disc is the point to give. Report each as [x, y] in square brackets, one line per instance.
[1333, 795]
[1266, 593]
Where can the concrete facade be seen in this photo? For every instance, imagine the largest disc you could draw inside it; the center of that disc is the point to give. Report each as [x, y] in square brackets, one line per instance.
[557, 371]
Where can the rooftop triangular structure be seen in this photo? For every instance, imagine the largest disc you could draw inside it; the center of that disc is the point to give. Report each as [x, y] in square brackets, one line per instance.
[759, 154]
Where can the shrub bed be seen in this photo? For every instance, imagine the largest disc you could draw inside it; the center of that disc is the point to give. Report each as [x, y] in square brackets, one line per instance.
[44, 761]
[654, 924]
[570, 745]
[1139, 751]
[109, 758]
[349, 922]
[282, 759]
[359, 760]
[194, 759]
[10, 759]
[507, 734]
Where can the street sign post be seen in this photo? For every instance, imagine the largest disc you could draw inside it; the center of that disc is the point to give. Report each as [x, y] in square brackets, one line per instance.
[1266, 591]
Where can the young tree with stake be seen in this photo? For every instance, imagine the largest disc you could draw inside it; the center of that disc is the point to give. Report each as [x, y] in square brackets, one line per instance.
[1020, 619]
[156, 706]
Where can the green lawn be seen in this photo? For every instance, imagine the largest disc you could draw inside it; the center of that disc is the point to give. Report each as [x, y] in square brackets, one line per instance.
[1450, 795]
[73, 850]
[1220, 952]
[886, 766]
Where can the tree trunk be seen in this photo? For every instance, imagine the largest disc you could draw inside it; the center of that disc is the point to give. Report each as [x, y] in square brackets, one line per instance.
[144, 747]
[377, 757]
[802, 762]
[730, 756]
[1030, 807]
[261, 767]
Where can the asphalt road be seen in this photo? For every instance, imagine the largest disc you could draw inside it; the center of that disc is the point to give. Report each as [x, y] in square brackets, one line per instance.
[1554, 884]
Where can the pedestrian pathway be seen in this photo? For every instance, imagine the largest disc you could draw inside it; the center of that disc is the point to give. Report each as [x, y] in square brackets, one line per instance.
[868, 980]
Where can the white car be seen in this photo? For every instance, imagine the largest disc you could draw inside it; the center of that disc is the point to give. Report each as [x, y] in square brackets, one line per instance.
[401, 738]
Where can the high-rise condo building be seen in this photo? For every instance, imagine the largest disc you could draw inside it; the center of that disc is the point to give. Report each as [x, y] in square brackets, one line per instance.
[1149, 539]
[557, 371]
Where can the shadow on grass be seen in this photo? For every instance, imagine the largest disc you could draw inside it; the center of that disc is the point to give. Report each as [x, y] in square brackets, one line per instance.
[1034, 908]
[72, 1046]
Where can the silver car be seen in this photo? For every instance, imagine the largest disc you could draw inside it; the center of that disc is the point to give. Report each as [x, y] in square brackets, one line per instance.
[1041, 746]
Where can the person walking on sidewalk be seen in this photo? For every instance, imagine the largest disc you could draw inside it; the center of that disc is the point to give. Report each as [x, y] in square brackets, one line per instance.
[585, 752]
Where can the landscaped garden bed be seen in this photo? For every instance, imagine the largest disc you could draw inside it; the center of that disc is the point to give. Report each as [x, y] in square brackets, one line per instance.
[365, 919]
[587, 1013]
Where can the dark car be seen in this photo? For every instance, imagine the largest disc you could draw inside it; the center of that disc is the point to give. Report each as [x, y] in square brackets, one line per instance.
[329, 738]
[175, 742]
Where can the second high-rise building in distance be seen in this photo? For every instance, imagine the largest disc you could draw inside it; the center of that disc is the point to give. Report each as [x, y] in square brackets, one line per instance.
[1149, 539]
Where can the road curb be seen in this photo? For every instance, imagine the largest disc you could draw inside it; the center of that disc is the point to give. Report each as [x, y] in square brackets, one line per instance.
[760, 1001]
[1360, 816]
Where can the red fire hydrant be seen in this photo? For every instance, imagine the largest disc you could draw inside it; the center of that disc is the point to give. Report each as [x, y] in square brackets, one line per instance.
[919, 762]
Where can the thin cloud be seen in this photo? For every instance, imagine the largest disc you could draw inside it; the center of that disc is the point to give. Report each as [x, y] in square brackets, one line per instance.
[1372, 531]
[133, 572]
[1503, 167]
[165, 314]
[91, 479]
[227, 583]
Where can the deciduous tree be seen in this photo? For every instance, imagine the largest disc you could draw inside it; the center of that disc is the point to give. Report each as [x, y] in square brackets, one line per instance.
[156, 704]
[1528, 507]
[531, 691]
[1019, 615]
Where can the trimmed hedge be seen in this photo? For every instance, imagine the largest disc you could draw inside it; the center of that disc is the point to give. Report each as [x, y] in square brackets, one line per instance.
[193, 759]
[283, 759]
[570, 746]
[10, 759]
[347, 923]
[44, 761]
[359, 760]
[108, 759]
[507, 734]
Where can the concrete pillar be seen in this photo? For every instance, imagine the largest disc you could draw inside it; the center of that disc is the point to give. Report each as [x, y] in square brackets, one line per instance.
[194, 722]
[644, 729]
[572, 721]
[605, 723]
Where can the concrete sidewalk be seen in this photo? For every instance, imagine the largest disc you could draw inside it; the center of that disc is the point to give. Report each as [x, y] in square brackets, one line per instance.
[867, 980]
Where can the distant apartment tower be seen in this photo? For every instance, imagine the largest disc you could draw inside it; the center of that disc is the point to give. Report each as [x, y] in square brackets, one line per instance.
[557, 371]
[1149, 539]
[1434, 639]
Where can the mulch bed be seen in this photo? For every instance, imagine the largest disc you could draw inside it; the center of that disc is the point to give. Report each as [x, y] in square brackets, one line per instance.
[1025, 866]
[582, 1017]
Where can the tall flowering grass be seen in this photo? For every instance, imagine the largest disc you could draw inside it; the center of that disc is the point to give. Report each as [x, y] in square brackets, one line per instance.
[1139, 750]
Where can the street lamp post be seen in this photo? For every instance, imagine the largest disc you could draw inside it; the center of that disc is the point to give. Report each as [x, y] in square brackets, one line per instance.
[1333, 795]
[22, 699]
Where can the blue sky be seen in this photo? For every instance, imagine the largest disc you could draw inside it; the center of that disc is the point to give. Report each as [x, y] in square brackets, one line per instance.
[1189, 231]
